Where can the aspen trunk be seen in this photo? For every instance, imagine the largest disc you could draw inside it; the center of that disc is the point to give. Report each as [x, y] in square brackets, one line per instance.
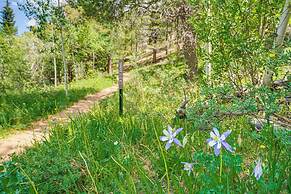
[208, 65]
[282, 27]
[54, 60]
[64, 59]
[109, 65]
[281, 30]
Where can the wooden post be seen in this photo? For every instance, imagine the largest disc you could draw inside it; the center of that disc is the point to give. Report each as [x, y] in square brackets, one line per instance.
[120, 85]
[154, 55]
[167, 38]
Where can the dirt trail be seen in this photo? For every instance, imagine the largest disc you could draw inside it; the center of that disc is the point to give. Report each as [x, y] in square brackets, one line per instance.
[39, 130]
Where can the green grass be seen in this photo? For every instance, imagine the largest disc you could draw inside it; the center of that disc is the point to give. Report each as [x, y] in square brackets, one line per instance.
[19, 109]
[103, 152]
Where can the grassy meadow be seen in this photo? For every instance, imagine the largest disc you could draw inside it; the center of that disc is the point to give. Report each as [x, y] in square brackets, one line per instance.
[101, 152]
[19, 108]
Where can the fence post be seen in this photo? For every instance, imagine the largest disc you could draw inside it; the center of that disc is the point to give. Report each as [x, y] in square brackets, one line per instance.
[154, 55]
[120, 85]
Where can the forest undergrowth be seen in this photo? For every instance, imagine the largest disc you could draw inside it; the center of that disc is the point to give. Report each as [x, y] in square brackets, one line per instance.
[152, 149]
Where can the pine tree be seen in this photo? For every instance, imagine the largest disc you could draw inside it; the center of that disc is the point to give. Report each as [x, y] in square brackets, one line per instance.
[7, 20]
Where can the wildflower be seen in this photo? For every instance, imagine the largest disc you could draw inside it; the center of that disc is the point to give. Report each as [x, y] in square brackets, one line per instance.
[115, 143]
[170, 136]
[218, 140]
[188, 167]
[258, 171]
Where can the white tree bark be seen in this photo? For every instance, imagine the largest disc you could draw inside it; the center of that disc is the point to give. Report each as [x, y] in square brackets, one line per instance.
[64, 59]
[281, 30]
[284, 19]
[208, 65]
[55, 70]
[64, 62]
[54, 59]
[76, 68]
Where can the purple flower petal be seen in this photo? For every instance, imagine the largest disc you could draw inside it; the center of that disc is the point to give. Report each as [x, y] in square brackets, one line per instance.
[212, 143]
[164, 138]
[208, 140]
[258, 171]
[216, 150]
[188, 167]
[168, 145]
[177, 142]
[227, 146]
[212, 135]
[170, 129]
[177, 131]
[166, 133]
[216, 132]
[225, 135]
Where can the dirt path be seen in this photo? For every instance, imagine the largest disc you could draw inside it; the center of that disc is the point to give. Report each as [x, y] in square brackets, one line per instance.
[39, 130]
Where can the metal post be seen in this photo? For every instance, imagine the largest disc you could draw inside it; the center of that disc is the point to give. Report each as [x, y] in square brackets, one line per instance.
[120, 85]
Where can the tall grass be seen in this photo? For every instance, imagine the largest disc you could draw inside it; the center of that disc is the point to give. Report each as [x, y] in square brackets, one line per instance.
[103, 152]
[19, 109]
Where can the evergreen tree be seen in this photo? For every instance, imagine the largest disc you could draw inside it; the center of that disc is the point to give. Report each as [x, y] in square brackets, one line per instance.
[7, 20]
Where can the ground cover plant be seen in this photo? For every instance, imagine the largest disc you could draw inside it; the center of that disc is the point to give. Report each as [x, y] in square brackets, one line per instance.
[36, 103]
[207, 108]
[150, 150]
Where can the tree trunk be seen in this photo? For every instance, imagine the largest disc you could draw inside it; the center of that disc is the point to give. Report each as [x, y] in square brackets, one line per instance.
[64, 63]
[284, 19]
[54, 60]
[189, 51]
[109, 64]
[177, 36]
[208, 65]
[281, 30]
[55, 71]
[64, 59]
[189, 39]
[2, 76]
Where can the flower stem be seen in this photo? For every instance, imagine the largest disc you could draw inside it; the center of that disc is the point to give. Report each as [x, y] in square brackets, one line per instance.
[165, 163]
[220, 169]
